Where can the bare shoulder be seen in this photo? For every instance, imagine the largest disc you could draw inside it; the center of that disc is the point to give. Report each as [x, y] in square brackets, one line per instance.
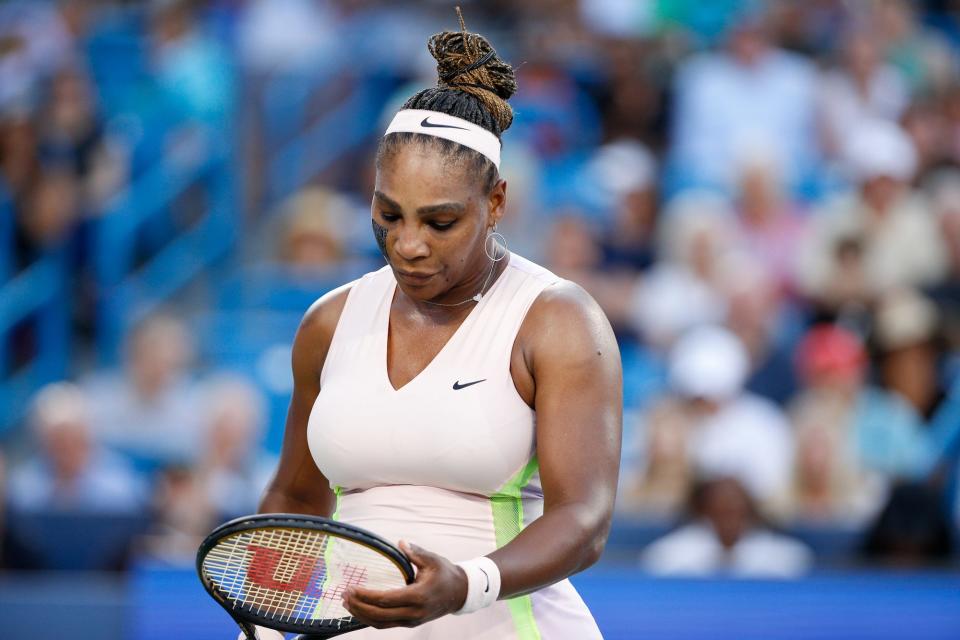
[316, 330]
[324, 314]
[565, 320]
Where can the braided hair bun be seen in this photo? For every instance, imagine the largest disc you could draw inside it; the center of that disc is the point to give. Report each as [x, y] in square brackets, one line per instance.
[474, 83]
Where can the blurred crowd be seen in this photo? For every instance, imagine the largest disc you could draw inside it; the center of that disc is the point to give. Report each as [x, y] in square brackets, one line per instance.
[763, 196]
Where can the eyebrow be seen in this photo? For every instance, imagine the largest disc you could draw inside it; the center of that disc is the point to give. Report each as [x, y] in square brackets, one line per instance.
[425, 210]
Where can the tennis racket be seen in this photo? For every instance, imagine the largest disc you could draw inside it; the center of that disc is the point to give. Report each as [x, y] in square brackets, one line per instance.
[289, 572]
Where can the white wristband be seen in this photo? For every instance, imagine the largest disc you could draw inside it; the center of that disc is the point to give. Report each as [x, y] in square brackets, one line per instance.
[483, 584]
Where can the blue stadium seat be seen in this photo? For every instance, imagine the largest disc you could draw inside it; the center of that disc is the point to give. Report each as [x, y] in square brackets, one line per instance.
[76, 541]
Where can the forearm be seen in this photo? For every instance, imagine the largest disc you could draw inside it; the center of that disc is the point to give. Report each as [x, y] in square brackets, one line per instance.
[566, 539]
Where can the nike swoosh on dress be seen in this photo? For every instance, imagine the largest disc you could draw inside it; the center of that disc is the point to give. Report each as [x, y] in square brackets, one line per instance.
[457, 386]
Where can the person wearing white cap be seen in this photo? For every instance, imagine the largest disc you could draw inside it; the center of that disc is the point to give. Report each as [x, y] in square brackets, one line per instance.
[879, 236]
[735, 433]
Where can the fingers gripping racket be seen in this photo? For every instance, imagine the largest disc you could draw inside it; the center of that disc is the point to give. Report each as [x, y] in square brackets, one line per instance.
[288, 572]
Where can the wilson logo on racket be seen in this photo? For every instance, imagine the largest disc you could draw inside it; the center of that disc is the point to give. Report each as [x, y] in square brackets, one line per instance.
[263, 570]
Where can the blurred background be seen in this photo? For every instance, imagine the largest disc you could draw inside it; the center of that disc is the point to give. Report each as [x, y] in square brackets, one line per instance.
[763, 196]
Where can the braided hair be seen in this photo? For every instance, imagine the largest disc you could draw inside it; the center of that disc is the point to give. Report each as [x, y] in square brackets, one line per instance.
[473, 84]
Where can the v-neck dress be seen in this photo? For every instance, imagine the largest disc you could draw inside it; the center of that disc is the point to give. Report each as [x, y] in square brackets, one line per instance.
[447, 461]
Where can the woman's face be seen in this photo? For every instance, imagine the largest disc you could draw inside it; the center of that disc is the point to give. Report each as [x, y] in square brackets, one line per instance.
[431, 217]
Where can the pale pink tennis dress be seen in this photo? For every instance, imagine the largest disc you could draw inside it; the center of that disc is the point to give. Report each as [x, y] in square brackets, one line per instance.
[450, 469]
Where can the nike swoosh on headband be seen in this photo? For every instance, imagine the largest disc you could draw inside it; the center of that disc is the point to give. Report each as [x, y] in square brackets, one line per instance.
[457, 386]
[426, 123]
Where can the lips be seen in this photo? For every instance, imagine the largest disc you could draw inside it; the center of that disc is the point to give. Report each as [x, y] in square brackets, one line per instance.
[414, 277]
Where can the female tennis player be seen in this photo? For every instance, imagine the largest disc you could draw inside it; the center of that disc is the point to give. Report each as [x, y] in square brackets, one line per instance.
[462, 401]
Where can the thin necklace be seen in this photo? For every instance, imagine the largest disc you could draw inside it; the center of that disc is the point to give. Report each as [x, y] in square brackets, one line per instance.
[476, 298]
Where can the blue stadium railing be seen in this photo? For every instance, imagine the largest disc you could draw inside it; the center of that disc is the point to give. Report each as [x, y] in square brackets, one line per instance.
[35, 297]
[37, 300]
[128, 290]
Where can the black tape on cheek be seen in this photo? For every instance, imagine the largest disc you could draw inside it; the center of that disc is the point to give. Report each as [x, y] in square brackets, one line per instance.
[380, 233]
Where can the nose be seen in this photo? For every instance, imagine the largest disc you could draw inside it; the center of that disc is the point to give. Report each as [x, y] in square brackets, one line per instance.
[410, 243]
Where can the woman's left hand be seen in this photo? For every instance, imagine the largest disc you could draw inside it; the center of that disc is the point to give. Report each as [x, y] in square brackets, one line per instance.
[439, 588]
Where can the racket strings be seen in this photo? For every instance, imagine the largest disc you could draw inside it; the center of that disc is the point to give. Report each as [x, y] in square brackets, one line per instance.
[296, 575]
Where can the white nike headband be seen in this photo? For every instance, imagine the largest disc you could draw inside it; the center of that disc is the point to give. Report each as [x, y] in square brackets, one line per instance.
[442, 125]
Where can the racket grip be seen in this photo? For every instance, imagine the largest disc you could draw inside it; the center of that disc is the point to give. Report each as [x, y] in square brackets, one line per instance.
[255, 632]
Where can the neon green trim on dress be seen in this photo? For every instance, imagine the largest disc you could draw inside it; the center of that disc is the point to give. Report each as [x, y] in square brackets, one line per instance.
[337, 492]
[507, 507]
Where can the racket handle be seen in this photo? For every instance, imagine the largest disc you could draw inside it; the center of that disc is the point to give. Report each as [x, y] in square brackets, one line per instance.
[254, 632]
[249, 630]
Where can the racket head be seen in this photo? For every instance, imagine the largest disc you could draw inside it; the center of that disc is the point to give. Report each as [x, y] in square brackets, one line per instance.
[288, 571]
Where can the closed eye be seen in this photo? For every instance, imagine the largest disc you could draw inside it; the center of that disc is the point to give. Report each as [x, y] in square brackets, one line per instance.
[441, 226]
[389, 217]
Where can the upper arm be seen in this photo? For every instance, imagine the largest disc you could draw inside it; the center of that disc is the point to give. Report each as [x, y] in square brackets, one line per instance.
[297, 479]
[574, 360]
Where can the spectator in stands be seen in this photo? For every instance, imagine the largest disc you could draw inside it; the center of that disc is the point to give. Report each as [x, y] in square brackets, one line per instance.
[912, 531]
[769, 226]
[287, 36]
[726, 537]
[749, 96]
[621, 180]
[48, 217]
[907, 339]
[232, 466]
[573, 248]
[71, 471]
[192, 70]
[72, 137]
[827, 488]
[736, 433]
[573, 251]
[149, 409]
[926, 123]
[918, 52]
[881, 236]
[182, 516]
[659, 488]
[852, 438]
[682, 290]
[756, 314]
[311, 240]
[36, 39]
[634, 101]
[862, 87]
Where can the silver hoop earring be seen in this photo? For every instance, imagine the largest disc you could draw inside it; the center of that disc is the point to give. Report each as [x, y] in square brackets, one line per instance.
[499, 242]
